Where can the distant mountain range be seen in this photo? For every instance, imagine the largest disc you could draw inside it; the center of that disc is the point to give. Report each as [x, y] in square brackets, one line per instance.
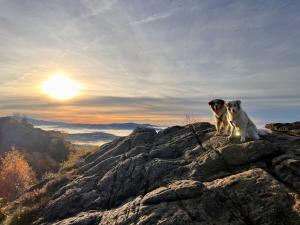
[117, 126]
[89, 137]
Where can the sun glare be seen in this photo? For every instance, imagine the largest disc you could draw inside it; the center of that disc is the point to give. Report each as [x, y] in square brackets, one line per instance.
[61, 87]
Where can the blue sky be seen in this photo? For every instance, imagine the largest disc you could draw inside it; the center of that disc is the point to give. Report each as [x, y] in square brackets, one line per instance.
[151, 61]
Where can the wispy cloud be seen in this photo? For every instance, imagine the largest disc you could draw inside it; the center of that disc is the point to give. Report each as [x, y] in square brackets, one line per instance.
[156, 17]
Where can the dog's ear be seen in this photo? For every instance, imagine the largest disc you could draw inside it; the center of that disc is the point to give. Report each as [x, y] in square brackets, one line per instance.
[210, 103]
[222, 102]
[227, 104]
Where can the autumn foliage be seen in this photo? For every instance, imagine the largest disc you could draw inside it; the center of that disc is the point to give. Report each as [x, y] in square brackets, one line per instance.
[16, 175]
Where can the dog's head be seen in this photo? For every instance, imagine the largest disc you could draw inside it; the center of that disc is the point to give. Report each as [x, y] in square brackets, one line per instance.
[233, 106]
[216, 104]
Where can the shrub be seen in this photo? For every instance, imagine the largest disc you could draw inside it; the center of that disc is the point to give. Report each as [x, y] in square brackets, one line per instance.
[2, 216]
[15, 175]
[76, 157]
[22, 216]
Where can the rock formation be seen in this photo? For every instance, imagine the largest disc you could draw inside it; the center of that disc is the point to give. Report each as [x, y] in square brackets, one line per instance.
[182, 175]
[288, 128]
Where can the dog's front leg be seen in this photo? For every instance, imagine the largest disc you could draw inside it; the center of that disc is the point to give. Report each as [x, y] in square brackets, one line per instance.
[243, 134]
[227, 128]
[218, 126]
[232, 129]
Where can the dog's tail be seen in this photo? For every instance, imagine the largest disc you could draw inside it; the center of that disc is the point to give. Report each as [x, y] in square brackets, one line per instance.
[263, 132]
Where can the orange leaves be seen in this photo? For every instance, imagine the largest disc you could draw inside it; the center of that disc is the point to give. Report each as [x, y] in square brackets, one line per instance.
[16, 175]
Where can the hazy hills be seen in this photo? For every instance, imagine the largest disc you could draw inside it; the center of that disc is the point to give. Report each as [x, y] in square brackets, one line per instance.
[89, 137]
[90, 134]
[44, 150]
[118, 126]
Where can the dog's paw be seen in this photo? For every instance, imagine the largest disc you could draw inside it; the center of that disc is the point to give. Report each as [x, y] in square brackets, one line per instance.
[217, 133]
[243, 139]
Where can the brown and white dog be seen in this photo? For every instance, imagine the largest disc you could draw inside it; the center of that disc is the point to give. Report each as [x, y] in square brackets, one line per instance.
[239, 119]
[220, 115]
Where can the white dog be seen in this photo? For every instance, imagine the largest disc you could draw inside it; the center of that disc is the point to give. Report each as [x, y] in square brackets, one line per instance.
[238, 118]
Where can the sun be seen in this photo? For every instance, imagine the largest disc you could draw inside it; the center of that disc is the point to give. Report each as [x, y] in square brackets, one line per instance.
[59, 86]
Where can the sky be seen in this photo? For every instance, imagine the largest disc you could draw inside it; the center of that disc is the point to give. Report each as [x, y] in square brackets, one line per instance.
[151, 61]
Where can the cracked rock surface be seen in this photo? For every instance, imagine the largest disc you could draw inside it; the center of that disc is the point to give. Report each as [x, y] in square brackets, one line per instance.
[183, 175]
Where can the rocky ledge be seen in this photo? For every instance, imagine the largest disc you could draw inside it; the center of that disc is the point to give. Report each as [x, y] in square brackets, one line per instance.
[288, 128]
[182, 175]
